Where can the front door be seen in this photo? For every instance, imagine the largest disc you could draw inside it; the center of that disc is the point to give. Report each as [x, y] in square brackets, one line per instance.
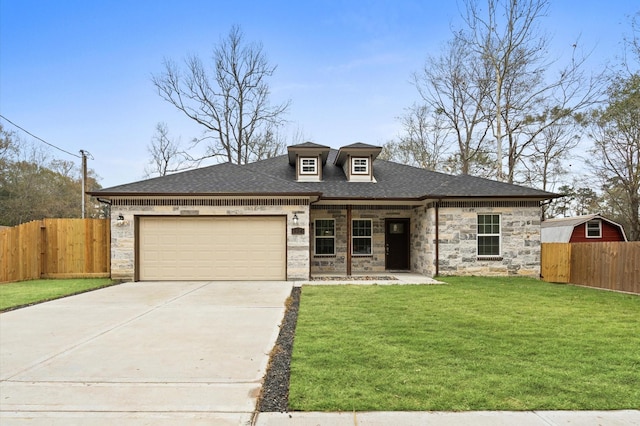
[397, 244]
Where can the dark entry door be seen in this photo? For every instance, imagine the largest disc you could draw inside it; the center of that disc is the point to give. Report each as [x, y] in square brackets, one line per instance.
[397, 244]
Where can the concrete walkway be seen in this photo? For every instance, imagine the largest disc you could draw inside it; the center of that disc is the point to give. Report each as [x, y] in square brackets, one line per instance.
[140, 353]
[401, 278]
[479, 418]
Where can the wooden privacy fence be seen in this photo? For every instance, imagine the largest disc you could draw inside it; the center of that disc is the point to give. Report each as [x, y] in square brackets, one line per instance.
[55, 248]
[613, 266]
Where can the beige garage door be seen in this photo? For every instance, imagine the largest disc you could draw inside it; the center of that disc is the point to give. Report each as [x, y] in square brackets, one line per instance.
[212, 248]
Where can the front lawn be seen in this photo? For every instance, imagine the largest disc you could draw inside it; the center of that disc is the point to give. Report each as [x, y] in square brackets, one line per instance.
[475, 344]
[28, 292]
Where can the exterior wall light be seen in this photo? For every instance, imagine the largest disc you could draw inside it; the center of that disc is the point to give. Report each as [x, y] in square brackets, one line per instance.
[120, 220]
[295, 220]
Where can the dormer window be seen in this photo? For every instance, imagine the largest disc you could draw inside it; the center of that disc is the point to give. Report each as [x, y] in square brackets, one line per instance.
[308, 166]
[360, 166]
[594, 229]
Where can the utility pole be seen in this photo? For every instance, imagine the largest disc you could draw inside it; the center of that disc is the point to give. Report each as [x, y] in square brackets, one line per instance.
[84, 179]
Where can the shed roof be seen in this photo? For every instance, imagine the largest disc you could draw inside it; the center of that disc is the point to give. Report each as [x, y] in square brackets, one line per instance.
[559, 230]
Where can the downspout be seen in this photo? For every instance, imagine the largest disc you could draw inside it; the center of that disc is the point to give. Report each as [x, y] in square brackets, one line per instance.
[108, 203]
[437, 261]
[349, 240]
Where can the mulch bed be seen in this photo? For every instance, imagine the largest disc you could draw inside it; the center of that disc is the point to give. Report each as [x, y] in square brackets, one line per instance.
[275, 390]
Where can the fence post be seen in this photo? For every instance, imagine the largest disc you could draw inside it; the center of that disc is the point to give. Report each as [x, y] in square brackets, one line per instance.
[42, 242]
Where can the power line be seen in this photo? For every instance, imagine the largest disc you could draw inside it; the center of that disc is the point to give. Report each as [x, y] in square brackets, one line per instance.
[40, 139]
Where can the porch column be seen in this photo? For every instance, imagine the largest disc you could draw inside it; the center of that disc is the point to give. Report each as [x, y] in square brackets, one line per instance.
[348, 240]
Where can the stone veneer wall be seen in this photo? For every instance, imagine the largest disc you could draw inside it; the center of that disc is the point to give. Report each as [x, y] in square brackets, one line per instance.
[520, 226]
[337, 264]
[123, 240]
[423, 239]
[520, 239]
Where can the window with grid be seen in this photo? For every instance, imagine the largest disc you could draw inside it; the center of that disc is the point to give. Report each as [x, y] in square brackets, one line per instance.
[594, 229]
[308, 166]
[360, 166]
[361, 237]
[325, 237]
[488, 235]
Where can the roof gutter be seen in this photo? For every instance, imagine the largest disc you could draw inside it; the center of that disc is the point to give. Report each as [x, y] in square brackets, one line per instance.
[205, 194]
[101, 200]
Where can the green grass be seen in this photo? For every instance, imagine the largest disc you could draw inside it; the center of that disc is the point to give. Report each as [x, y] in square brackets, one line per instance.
[475, 344]
[23, 293]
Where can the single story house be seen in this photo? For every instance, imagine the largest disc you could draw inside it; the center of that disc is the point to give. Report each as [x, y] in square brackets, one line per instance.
[321, 211]
[589, 228]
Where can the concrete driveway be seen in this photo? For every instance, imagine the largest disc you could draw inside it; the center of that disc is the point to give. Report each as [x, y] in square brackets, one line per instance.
[140, 353]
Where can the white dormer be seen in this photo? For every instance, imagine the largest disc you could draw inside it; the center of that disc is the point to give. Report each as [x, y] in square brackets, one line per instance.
[308, 159]
[356, 161]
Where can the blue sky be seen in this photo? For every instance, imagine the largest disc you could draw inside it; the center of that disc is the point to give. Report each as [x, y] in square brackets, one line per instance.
[78, 73]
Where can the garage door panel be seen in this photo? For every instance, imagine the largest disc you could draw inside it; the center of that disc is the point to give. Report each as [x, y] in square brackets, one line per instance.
[212, 248]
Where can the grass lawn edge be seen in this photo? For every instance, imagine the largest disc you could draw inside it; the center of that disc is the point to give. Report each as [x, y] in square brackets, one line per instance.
[25, 305]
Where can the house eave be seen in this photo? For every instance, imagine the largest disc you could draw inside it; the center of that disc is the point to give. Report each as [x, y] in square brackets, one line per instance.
[491, 197]
[368, 200]
[108, 195]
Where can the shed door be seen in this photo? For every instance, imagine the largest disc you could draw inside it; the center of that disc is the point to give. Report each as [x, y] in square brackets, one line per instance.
[212, 248]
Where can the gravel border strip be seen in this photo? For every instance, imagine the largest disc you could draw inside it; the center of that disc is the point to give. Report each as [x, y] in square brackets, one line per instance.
[274, 396]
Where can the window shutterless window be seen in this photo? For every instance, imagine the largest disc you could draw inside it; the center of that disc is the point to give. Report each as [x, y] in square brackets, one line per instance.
[594, 229]
[308, 166]
[361, 237]
[488, 235]
[360, 166]
[325, 237]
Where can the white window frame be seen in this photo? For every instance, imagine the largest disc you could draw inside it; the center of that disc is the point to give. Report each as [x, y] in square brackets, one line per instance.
[354, 166]
[316, 237]
[586, 228]
[491, 234]
[313, 163]
[369, 237]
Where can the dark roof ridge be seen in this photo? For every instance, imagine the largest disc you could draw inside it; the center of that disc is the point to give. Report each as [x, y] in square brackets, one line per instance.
[307, 144]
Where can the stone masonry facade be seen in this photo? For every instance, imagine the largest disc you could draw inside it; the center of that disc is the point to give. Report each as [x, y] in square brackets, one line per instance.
[457, 251]
[457, 232]
[520, 239]
[123, 235]
[337, 264]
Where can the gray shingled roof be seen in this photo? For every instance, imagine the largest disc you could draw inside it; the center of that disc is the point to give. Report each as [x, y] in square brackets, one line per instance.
[275, 175]
[223, 178]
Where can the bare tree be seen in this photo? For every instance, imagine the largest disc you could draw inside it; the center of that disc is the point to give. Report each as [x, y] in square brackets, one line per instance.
[545, 162]
[615, 131]
[422, 143]
[632, 46]
[232, 103]
[166, 154]
[525, 100]
[454, 88]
